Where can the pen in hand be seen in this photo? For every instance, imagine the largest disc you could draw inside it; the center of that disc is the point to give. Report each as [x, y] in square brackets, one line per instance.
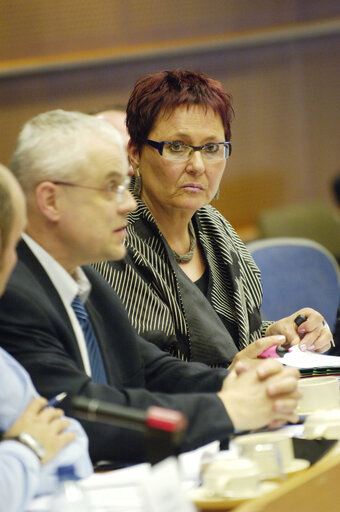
[300, 319]
[56, 400]
[281, 350]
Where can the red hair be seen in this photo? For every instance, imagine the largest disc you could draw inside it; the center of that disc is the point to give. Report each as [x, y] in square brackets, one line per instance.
[167, 90]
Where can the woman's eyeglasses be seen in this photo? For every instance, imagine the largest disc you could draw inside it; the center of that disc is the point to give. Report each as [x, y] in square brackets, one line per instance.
[180, 152]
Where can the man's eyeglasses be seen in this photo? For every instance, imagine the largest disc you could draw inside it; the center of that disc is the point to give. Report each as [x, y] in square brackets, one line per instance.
[180, 152]
[117, 190]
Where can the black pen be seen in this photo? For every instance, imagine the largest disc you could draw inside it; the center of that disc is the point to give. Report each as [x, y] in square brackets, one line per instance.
[56, 400]
[300, 319]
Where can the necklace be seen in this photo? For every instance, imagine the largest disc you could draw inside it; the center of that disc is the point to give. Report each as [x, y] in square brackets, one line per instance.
[184, 258]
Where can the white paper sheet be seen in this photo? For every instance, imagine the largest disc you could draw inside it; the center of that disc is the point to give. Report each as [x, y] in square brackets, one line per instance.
[120, 490]
[307, 359]
[111, 491]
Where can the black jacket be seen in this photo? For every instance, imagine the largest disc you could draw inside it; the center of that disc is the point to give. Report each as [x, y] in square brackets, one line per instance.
[35, 329]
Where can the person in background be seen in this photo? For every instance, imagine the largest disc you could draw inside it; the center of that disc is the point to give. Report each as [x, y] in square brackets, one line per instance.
[35, 439]
[336, 189]
[188, 282]
[73, 333]
[117, 117]
[336, 349]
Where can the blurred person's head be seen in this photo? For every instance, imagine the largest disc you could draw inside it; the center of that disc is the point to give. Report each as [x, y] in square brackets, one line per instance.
[12, 223]
[73, 168]
[117, 118]
[336, 189]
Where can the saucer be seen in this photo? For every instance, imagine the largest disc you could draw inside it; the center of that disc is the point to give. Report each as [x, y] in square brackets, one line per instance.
[295, 466]
[304, 414]
[205, 499]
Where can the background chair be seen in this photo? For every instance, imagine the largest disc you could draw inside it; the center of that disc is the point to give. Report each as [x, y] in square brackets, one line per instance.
[297, 273]
[317, 221]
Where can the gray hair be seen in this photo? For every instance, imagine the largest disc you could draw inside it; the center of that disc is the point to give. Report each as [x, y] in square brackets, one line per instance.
[55, 146]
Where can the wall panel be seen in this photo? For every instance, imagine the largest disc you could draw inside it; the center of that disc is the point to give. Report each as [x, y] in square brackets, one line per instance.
[286, 95]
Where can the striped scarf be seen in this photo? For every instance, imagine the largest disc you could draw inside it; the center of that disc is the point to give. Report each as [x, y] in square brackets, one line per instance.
[147, 285]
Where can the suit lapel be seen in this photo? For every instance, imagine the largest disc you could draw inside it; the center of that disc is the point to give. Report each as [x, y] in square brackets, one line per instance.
[48, 291]
[37, 270]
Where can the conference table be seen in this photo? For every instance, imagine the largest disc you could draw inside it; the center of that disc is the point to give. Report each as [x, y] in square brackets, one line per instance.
[314, 489]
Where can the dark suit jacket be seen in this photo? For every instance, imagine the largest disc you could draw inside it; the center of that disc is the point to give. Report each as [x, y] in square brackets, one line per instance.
[35, 329]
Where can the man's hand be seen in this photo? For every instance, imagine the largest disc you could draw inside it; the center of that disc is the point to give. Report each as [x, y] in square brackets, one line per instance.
[46, 424]
[313, 334]
[260, 396]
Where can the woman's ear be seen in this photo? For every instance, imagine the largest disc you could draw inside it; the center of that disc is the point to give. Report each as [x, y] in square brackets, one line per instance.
[46, 195]
[134, 156]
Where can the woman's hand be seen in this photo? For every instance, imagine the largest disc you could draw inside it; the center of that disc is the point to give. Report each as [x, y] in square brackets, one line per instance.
[248, 356]
[46, 424]
[313, 334]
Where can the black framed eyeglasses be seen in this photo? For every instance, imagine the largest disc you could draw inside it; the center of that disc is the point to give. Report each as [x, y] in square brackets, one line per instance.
[117, 190]
[180, 152]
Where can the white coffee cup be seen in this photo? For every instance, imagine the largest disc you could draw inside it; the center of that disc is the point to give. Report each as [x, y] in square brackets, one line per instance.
[323, 424]
[318, 393]
[232, 478]
[271, 451]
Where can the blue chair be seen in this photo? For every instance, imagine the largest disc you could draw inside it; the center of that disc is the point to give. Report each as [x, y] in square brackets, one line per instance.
[297, 273]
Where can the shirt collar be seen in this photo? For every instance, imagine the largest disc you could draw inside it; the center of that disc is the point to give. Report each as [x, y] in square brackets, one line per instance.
[66, 285]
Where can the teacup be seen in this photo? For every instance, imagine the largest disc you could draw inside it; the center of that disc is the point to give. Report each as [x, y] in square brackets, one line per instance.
[318, 393]
[232, 478]
[271, 451]
[323, 424]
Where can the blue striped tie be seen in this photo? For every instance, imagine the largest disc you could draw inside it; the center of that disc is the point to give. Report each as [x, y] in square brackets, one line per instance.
[96, 361]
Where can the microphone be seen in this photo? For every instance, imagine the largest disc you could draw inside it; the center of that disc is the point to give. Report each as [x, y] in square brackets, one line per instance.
[162, 428]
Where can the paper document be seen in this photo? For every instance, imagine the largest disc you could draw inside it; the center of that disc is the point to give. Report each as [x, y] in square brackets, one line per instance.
[307, 359]
[121, 490]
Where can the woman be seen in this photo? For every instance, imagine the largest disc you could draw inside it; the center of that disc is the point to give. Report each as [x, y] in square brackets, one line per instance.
[188, 282]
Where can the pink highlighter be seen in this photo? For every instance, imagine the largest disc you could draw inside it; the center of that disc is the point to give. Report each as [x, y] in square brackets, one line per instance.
[274, 351]
[279, 350]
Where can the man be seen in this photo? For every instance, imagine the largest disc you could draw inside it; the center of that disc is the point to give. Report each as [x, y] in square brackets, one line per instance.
[32, 434]
[73, 169]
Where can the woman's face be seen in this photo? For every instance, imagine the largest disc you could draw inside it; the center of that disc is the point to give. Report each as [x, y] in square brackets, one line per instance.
[170, 185]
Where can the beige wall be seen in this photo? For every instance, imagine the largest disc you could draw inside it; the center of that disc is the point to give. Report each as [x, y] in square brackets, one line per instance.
[286, 94]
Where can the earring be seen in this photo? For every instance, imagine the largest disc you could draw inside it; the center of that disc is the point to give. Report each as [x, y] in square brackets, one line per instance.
[217, 195]
[137, 188]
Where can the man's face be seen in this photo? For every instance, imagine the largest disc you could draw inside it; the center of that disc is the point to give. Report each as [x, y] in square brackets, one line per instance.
[92, 223]
[8, 256]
